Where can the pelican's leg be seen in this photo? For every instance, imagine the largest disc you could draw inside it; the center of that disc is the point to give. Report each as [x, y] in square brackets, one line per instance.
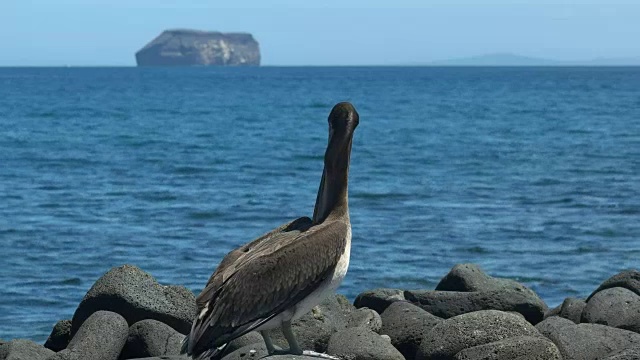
[294, 348]
[268, 343]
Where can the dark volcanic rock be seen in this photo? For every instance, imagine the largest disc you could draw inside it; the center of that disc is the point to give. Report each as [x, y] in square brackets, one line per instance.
[314, 329]
[293, 357]
[628, 279]
[151, 338]
[626, 354]
[259, 351]
[361, 344]
[586, 341]
[60, 336]
[101, 337]
[65, 354]
[571, 308]
[252, 351]
[20, 349]
[378, 299]
[469, 277]
[406, 325]
[520, 347]
[200, 48]
[552, 312]
[136, 296]
[446, 304]
[453, 335]
[170, 357]
[364, 317]
[247, 339]
[616, 307]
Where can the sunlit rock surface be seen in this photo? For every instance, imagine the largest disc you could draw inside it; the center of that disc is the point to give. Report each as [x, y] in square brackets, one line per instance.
[200, 48]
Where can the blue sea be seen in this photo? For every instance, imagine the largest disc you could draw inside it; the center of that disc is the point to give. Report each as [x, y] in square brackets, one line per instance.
[532, 173]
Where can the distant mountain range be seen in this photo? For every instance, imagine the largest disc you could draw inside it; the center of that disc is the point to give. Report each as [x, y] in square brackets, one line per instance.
[506, 59]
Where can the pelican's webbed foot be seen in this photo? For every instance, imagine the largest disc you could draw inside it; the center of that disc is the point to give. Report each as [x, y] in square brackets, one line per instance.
[294, 348]
[319, 355]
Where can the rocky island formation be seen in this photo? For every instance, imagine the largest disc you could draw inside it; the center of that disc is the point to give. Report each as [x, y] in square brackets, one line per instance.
[200, 48]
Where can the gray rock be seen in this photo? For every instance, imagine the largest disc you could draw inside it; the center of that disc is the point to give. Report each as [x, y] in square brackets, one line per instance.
[521, 348]
[101, 337]
[136, 296]
[470, 277]
[571, 308]
[586, 341]
[293, 357]
[365, 317]
[616, 307]
[628, 279]
[446, 304]
[361, 344]
[247, 339]
[378, 299]
[406, 325]
[552, 312]
[60, 336]
[170, 357]
[65, 354]
[200, 48]
[632, 353]
[20, 349]
[344, 304]
[151, 338]
[461, 332]
[314, 329]
[252, 351]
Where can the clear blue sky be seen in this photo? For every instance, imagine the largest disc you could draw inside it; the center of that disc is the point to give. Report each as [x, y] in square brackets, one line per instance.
[300, 32]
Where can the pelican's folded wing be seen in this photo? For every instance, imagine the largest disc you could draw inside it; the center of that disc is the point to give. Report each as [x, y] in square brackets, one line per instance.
[277, 277]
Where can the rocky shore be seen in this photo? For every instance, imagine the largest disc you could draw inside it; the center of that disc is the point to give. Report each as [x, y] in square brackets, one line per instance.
[469, 316]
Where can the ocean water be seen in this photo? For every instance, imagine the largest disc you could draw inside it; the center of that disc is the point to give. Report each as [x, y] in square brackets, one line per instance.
[533, 173]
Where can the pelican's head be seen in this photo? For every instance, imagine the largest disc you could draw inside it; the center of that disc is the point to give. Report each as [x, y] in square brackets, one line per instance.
[343, 120]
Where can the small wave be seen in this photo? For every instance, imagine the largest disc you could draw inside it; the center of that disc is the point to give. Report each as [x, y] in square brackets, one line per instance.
[606, 233]
[318, 105]
[205, 215]
[530, 279]
[189, 170]
[379, 196]
[50, 187]
[44, 115]
[474, 250]
[50, 205]
[158, 196]
[309, 157]
[632, 210]
[590, 250]
[71, 281]
[546, 182]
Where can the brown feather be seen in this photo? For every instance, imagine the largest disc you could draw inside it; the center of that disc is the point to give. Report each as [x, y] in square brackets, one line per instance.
[282, 269]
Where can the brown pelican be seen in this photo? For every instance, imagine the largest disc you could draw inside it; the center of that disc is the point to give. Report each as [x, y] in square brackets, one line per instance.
[280, 276]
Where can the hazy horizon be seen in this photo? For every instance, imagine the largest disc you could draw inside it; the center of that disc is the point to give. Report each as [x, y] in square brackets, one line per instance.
[354, 32]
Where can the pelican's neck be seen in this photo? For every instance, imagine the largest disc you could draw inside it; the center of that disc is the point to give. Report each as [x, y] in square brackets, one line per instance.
[333, 199]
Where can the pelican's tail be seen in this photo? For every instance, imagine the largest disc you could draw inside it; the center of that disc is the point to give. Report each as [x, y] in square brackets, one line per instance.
[211, 354]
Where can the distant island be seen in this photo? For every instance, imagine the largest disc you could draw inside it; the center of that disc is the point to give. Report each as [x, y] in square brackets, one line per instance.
[507, 59]
[183, 47]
